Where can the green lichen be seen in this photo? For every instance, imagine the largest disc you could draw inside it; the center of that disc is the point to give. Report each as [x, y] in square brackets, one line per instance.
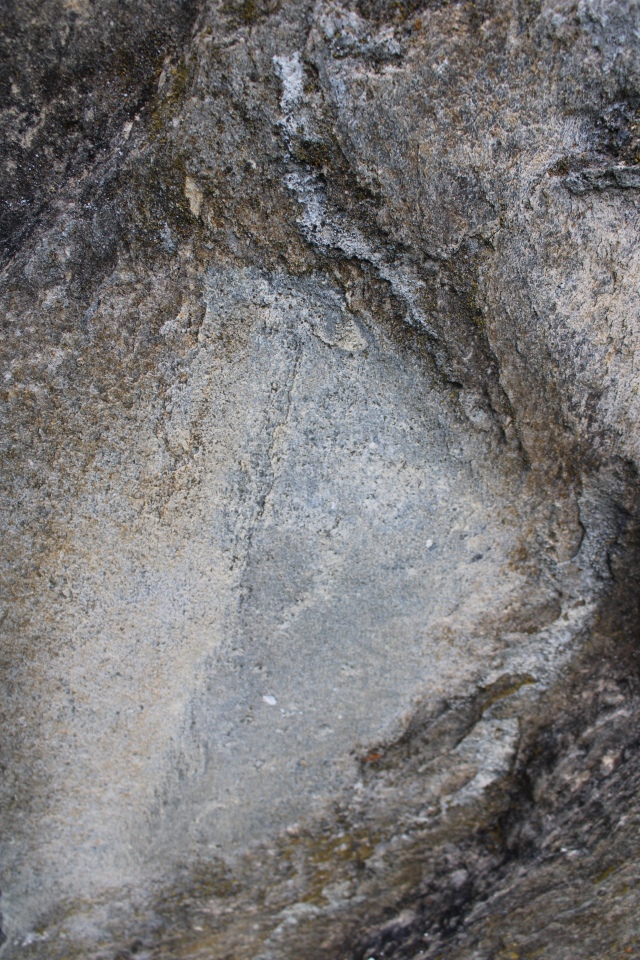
[248, 12]
[162, 216]
[179, 80]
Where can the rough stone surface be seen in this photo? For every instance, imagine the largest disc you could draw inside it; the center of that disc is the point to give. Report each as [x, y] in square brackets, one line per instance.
[320, 446]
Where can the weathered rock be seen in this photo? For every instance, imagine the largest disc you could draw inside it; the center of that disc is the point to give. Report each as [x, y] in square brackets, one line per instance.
[320, 449]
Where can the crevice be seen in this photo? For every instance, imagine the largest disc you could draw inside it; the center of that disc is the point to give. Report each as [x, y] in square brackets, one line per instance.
[270, 478]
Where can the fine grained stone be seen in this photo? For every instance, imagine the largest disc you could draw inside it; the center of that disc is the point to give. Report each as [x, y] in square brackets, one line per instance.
[320, 447]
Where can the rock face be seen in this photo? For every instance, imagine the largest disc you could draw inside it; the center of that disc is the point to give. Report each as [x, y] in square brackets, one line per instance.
[321, 359]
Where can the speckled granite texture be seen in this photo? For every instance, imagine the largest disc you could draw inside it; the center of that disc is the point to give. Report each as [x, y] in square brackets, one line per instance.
[320, 445]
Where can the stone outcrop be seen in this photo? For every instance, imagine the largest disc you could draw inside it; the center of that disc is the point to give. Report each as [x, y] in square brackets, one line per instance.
[320, 479]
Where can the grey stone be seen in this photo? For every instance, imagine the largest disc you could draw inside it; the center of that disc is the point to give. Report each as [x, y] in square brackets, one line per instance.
[610, 178]
[319, 476]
